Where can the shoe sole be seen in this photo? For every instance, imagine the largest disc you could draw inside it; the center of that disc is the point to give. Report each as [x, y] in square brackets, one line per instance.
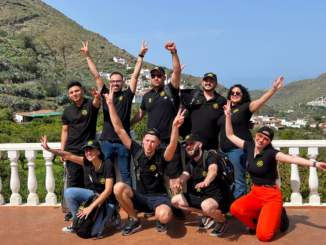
[139, 228]
[219, 234]
[206, 227]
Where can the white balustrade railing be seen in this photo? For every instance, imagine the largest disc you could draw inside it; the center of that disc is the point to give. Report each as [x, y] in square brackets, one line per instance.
[30, 149]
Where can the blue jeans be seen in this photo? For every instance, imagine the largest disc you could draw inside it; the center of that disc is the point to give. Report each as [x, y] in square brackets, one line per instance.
[110, 150]
[75, 196]
[239, 159]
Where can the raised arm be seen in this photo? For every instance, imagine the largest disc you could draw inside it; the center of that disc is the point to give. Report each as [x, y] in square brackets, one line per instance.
[257, 104]
[228, 126]
[175, 78]
[135, 75]
[138, 116]
[92, 67]
[180, 180]
[116, 122]
[97, 98]
[281, 157]
[178, 121]
[63, 154]
[64, 138]
[212, 173]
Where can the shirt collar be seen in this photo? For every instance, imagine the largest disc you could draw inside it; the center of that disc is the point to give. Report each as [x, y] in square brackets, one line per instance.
[84, 102]
[159, 90]
[100, 170]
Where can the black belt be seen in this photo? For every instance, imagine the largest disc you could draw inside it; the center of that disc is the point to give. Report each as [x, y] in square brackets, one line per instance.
[273, 185]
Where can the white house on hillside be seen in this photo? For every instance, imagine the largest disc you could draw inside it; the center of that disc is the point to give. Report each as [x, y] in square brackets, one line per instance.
[119, 60]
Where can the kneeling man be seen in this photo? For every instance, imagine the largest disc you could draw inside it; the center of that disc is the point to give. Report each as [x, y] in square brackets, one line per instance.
[207, 194]
[151, 194]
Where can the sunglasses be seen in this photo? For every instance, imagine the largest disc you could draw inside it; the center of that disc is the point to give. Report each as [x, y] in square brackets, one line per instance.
[237, 93]
[156, 75]
[115, 81]
[263, 137]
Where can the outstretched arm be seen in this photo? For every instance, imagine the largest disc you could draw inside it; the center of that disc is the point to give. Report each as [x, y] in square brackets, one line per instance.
[228, 126]
[116, 122]
[64, 154]
[257, 104]
[92, 67]
[178, 121]
[212, 173]
[137, 117]
[135, 75]
[179, 181]
[281, 157]
[175, 78]
[97, 98]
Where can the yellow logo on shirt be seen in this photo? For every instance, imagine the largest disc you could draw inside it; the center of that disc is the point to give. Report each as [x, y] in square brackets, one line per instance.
[236, 110]
[84, 112]
[215, 106]
[121, 97]
[162, 93]
[80, 209]
[187, 137]
[150, 100]
[90, 143]
[204, 173]
[153, 168]
[260, 163]
[102, 181]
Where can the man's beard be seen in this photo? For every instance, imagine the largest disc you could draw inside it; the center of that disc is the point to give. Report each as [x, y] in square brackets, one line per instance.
[195, 154]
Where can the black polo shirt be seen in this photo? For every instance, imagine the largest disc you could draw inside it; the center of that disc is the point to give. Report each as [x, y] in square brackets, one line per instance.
[161, 111]
[98, 178]
[204, 115]
[262, 167]
[240, 119]
[122, 102]
[150, 181]
[82, 125]
[216, 188]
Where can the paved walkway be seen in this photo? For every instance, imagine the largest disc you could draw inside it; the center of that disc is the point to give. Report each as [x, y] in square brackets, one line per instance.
[43, 226]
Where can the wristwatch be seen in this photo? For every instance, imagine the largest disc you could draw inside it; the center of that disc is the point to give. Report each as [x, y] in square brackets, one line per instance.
[173, 52]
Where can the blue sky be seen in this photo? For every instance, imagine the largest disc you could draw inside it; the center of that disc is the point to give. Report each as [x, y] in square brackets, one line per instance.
[243, 41]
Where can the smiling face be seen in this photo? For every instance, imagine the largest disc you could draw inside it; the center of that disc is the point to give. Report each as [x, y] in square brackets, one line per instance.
[193, 148]
[157, 79]
[117, 82]
[76, 93]
[209, 84]
[261, 140]
[92, 153]
[150, 142]
[236, 95]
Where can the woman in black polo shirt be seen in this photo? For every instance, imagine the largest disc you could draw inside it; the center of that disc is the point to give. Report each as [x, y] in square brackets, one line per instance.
[102, 177]
[242, 109]
[264, 202]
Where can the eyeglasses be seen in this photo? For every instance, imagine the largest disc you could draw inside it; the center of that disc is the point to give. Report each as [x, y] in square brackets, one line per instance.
[237, 93]
[263, 137]
[115, 81]
[156, 75]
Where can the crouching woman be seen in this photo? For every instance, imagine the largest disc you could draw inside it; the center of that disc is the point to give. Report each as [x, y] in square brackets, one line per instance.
[264, 203]
[102, 177]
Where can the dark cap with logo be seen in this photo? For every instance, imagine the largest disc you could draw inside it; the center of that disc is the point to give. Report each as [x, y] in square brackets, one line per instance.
[158, 68]
[153, 131]
[211, 75]
[270, 131]
[92, 143]
[190, 138]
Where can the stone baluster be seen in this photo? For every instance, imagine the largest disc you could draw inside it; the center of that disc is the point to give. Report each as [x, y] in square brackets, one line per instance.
[15, 198]
[296, 198]
[1, 197]
[314, 198]
[32, 198]
[278, 181]
[51, 198]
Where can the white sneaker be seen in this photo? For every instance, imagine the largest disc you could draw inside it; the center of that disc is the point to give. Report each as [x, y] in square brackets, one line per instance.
[68, 230]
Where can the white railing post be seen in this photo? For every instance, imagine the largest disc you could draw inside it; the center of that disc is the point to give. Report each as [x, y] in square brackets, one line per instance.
[278, 181]
[296, 197]
[51, 198]
[314, 198]
[15, 198]
[1, 197]
[32, 198]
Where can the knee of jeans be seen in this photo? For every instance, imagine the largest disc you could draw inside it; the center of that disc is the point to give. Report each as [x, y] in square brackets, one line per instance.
[68, 192]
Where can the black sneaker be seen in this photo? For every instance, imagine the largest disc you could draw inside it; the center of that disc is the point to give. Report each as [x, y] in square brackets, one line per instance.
[133, 227]
[68, 216]
[254, 231]
[68, 230]
[160, 227]
[149, 214]
[284, 221]
[219, 229]
[178, 213]
[207, 223]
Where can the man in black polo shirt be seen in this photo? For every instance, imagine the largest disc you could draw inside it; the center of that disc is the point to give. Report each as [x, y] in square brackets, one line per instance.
[206, 193]
[162, 110]
[79, 124]
[204, 111]
[151, 195]
[111, 145]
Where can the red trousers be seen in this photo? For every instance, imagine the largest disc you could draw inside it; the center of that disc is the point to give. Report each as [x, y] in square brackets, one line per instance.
[262, 204]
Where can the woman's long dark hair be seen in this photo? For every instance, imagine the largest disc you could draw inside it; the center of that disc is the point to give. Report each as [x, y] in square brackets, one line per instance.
[246, 96]
[270, 146]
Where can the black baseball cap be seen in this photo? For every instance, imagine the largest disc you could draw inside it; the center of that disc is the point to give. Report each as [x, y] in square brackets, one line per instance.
[191, 137]
[158, 68]
[270, 131]
[92, 143]
[211, 75]
[153, 131]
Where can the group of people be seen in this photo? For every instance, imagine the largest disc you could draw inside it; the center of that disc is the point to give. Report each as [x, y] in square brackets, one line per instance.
[207, 122]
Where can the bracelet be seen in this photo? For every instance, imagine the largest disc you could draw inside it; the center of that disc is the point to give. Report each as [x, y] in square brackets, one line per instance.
[87, 58]
[140, 55]
[314, 164]
[174, 52]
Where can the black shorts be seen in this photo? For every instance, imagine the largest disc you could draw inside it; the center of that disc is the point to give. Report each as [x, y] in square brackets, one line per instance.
[149, 202]
[75, 174]
[174, 169]
[195, 201]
